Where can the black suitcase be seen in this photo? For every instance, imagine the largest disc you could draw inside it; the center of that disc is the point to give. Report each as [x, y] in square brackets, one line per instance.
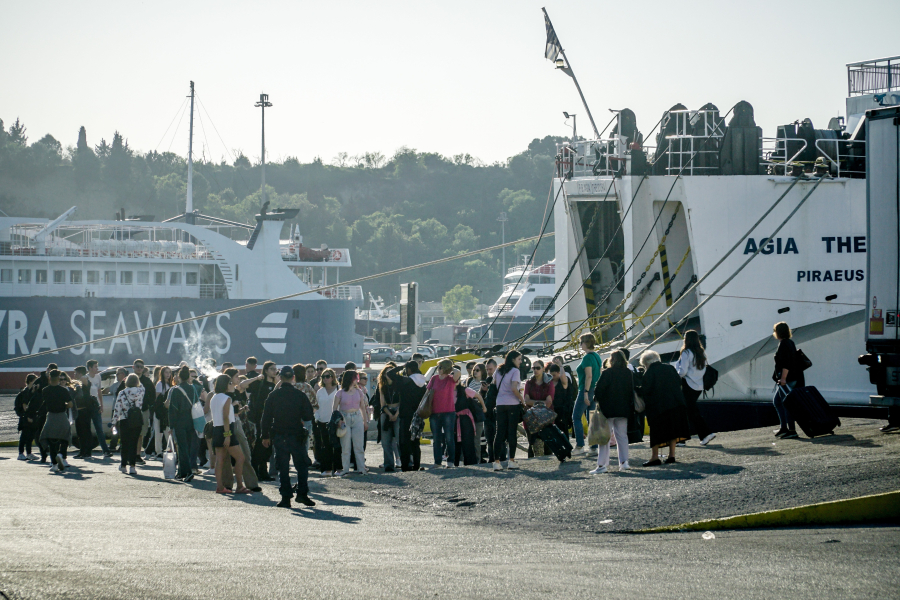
[811, 412]
[636, 428]
[556, 441]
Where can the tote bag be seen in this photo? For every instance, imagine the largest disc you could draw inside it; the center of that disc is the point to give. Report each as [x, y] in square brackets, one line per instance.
[598, 430]
[198, 417]
[169, 461]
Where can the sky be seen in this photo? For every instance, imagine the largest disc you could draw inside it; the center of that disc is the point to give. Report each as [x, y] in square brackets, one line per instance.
[447, 77]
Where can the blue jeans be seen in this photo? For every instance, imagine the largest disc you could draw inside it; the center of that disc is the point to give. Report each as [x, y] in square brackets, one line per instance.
[581, 407]
[296, 447]
[443, 432]
[389, 439]
[97, 420]
[784, 416]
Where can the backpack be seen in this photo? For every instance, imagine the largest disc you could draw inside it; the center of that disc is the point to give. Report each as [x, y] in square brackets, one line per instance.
[710, 377]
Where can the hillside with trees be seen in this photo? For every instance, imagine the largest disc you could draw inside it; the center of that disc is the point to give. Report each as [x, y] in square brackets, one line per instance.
[393, 211]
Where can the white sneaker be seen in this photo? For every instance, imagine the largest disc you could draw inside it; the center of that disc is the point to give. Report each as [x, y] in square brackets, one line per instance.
[60, 462]
[624, 466]
[498, 466]
[579, 450]
[143, 454]
[512, 465]
[206, 466]
[210, 472]
[32, 457]
[132, 471]
[598, 471]
[707, 439]
[341, 473]
[681, 445]
[65, 463]
[54, 469]
[22, 457]
[123, 469]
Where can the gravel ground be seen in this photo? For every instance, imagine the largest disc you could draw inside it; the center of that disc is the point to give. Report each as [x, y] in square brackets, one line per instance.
[737, 473]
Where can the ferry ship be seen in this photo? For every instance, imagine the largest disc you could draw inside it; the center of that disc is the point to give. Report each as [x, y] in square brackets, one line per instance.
[669, 212]
[527, 294]
[65, 282]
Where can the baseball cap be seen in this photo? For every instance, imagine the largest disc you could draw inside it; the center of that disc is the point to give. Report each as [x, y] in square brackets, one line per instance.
[287, 372]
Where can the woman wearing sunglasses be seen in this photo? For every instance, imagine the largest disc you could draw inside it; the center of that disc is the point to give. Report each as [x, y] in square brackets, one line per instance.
[329, 460]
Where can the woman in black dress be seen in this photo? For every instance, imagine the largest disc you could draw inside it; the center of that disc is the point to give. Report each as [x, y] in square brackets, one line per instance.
[787, 376]
[666, 409]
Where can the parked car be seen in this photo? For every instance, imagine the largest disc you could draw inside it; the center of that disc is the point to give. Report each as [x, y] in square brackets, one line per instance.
[370, 343]
[382, 354]
[443, 349]
[406, 354]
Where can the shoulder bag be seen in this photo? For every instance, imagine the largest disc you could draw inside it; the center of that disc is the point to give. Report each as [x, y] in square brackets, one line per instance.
[425, 406]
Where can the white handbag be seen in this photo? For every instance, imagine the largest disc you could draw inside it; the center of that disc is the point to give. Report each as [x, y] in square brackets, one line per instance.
[169, 466]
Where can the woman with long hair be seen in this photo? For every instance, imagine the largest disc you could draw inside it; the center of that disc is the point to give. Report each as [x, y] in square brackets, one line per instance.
[539, 391]
[510, 404]
[691, 367]
[466, 402]
[180, 402]
[615, 398]
[787, 376]
[223, 434]
[351, 401]
[478, 384]
[389, 417]
[163, 382]
[666, 411]
[322, 448]
[588, 375]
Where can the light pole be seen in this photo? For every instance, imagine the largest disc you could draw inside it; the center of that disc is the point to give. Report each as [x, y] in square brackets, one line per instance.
[502, 218]
[263, 104]
[574, 123]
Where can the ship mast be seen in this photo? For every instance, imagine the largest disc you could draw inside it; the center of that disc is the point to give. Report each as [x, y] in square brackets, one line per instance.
[189, 205]
[263, 103]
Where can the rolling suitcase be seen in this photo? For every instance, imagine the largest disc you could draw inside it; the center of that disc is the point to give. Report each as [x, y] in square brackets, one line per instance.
[811, 412]
[556, 441]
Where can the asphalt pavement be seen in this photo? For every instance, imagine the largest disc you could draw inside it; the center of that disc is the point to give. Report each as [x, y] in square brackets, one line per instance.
[546, 531]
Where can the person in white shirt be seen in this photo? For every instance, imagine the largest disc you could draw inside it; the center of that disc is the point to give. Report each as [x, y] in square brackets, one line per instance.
[326, 455]
[691, 366]
[93, 376]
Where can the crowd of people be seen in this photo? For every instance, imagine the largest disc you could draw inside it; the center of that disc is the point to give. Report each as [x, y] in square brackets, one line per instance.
[246, 428]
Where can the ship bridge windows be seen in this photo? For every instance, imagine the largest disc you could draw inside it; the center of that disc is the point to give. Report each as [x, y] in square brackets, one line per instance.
[190, 278]
[24, 275]
[159, 278]
[6, 275]
[75, 277]
[93, 277]
[541, 303]
[59, 276]
[126, 277]
[143, 277]
[40, 276]
[175, 278]
[109, 277]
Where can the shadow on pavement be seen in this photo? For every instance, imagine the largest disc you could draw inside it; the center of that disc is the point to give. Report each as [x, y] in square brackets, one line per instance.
[757, 451]
[319, 514]
[330, 501]
[840, 440]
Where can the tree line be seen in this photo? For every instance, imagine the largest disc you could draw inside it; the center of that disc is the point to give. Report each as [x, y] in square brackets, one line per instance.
[391, 212]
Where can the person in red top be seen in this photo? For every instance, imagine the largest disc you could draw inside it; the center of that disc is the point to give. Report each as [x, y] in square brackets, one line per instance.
[443, 413]
[538, 393]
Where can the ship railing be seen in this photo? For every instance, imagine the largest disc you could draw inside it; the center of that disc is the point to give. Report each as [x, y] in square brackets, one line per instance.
[342, 292]
[775, 151]
[873, 76]
[214, 290]
[590, 158]
[844, 157]
[696, 134]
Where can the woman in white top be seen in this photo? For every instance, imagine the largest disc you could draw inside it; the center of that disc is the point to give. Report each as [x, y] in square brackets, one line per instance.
[163, 385]
[322, 449]
[351, 401]
[691, 366]
[222, 411]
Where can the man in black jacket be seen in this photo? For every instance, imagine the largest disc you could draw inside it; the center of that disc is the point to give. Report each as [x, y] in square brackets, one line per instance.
[26, 407]
[285, 411]
[149, 399]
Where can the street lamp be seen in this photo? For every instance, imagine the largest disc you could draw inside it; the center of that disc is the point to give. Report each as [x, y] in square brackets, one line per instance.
[263, 103]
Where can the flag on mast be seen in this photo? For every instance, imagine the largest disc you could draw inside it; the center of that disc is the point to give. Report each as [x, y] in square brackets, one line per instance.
[553, 47]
